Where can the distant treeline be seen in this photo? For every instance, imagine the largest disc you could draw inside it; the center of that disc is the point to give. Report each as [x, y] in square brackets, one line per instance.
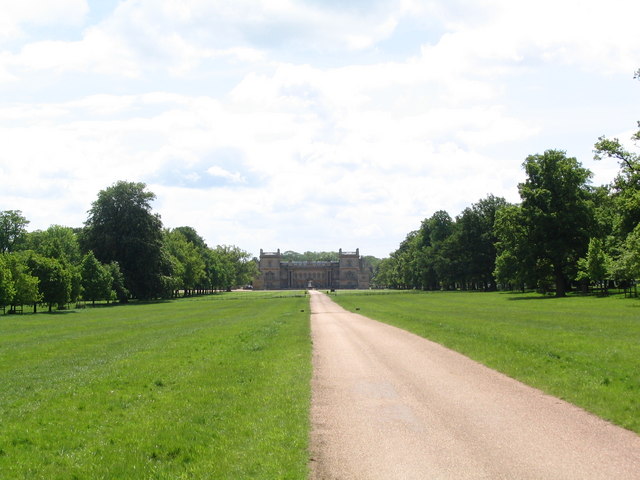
[291, 256]
[563, 234]
[122, 252]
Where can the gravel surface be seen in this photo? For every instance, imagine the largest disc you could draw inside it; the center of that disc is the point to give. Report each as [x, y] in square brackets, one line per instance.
[388, 404]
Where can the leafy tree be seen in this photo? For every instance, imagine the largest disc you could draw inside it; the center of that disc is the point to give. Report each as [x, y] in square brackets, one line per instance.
[231, 267]
[54, 279]
[7, 286]
[515, 261]
[26, 285]
[192, 237]
[595, 266]
[62, 244]
[96, 279]
[188, 264]
[626, 185]
[12, 230]
[219, 269]
[56, 242]
[433, 265]
[477, 240]
[118, 282]
[408, 269]
[556, 212]
[121, 228]
[383, 275]
[626, 267]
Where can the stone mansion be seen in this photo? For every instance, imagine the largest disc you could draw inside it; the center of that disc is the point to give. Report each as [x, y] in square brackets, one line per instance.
[349, 271]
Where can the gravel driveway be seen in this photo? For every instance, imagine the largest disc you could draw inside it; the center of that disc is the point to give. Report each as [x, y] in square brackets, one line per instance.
[390, 405]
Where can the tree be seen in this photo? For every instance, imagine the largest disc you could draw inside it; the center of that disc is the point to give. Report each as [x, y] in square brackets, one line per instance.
[231, 267]
[96, 279]
[117, 282]
[121, 228]
[192, 237]
[383, 276]
[189, 265]
[25, 284]
[54, 279]
[60, 243]
[626, 267]
[12, 230]
[56, 242]
[433, 264]
[595, 266]
[7, 286]
[626, 186]
[557, 213]
[515, 261]
[477, 239]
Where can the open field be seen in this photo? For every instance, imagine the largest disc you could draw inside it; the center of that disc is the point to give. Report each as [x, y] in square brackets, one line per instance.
[206, 387]
[585, 350]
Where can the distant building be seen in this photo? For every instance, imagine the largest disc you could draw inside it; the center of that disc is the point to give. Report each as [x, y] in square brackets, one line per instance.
[349, 271]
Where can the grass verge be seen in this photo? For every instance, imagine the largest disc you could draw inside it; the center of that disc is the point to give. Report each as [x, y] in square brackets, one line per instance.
[194, 388]
[585, 350]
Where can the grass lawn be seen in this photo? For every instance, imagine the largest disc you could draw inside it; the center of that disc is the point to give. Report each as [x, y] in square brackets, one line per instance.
[585, 350]
[207, 387]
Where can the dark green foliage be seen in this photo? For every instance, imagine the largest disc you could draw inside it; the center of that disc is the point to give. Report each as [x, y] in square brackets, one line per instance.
[192, 237]
[186, 258]
[7, 285]
[446, 253]
[96, 279]
[121, 228]
[54, 279]
[118, 286]
[556, 213]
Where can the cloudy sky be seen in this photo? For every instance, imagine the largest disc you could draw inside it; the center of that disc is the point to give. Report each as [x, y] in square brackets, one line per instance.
[304, 124]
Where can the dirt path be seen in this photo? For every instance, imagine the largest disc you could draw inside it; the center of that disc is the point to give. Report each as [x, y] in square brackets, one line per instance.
[390, 405]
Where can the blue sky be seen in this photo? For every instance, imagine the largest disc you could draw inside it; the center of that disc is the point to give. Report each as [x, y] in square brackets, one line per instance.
[304, 125]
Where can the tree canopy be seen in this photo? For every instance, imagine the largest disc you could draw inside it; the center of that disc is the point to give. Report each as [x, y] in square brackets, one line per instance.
[12, 230]
[122, 228]
[122, 252]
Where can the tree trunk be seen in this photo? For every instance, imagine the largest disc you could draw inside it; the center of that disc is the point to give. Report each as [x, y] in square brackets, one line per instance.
[561, 285]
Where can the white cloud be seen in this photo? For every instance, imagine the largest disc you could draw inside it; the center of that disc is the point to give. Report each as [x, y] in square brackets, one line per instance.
[590, 34]
[216, 171]
[14, 15]
[300, 126]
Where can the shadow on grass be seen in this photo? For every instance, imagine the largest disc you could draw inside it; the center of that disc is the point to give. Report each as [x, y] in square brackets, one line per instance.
[541, 297]
[59, 312]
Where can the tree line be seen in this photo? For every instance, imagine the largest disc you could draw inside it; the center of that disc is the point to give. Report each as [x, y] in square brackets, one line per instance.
[122, 252]
[563, 234]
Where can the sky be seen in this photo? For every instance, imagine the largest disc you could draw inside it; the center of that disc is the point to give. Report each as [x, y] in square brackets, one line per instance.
[307, 125]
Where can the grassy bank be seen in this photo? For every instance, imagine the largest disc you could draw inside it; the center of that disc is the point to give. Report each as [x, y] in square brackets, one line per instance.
[582, 349]
[196, 388]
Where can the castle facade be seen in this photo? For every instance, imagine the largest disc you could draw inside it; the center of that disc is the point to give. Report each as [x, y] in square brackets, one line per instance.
[349, 271]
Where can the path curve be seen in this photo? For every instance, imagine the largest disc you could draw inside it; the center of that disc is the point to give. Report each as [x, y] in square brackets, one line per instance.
[387, 404]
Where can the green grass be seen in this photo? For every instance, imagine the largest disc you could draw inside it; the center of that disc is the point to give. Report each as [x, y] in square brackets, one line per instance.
[585, 350]
[208, 387]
